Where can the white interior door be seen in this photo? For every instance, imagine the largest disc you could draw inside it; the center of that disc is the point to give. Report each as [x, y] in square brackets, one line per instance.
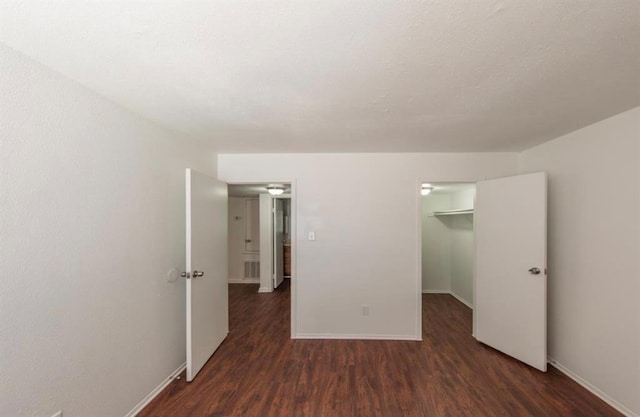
[510, 306]
[207, 290]
[278, 242]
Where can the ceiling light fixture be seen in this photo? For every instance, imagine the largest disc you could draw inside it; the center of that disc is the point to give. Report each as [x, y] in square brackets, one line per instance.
[426, 189]
[275, 189]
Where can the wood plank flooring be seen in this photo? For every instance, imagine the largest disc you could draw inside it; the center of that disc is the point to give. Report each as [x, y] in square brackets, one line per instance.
[259, 371]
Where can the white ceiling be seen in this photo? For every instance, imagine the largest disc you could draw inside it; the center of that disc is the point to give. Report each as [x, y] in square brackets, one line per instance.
[346, 76]
[451, 187]
[252, 190]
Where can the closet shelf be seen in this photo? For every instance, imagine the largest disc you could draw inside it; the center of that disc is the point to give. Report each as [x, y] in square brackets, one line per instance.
[452, 212]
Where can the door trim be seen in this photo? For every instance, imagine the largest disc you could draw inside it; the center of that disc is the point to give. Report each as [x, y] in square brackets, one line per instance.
[418, 187]
[274, 207]
[294, 243]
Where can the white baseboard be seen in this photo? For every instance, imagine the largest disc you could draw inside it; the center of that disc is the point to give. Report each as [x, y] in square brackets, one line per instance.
[462, 300]
[451, 293]
[146, 400]
[591, 388]
[354, 336]
[264, 289]
[244, 281]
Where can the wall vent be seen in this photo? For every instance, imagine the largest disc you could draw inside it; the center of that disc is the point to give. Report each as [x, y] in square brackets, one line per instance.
[251, 269]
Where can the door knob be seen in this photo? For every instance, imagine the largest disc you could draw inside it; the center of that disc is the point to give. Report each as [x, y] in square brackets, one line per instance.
[534, 271]
[185, 275]
[247, 240]
[197, 274]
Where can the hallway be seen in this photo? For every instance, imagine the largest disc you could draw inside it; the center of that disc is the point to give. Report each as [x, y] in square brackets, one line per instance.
[259, 371]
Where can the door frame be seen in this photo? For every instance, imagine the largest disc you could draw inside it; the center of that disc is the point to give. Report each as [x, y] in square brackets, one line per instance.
[419, 199]
[267, 236]
[419, 226]
[293, 241]
[272, 233]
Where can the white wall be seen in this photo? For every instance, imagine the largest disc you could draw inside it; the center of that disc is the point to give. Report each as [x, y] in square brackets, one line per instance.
[464, 198]
[365, 211]
[462, 245]
[594, 250]
[436, 244]
[91, 221]
[462, 253]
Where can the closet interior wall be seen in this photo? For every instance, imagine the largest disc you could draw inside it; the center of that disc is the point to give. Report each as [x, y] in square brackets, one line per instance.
[447, 244]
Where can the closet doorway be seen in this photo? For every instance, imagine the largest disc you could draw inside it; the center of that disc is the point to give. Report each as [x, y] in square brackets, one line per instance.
[483, 247]
[448, 240]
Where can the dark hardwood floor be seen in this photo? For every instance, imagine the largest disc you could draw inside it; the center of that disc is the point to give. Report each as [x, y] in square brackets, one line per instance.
[259, 371]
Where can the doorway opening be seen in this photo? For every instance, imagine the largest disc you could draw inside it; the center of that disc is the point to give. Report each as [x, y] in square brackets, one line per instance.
[484, 244]
[260, 234]
[448, 240]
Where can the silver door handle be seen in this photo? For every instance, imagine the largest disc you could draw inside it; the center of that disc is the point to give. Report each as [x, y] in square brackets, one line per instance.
[185, 275]
[534, 271]
[197, 274]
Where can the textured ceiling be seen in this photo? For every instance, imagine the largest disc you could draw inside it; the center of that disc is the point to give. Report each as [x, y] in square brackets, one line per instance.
[343, 76]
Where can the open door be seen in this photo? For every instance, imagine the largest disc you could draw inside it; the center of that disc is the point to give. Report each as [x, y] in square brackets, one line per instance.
[207, 290]
[278, 242]
[510, 308]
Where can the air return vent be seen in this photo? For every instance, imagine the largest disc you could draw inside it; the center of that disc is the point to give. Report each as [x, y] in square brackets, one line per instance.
[251, 269]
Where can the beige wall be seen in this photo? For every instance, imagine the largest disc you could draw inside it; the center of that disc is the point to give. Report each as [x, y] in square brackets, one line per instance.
[594, 248]
[365, 212]
[91, 222]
